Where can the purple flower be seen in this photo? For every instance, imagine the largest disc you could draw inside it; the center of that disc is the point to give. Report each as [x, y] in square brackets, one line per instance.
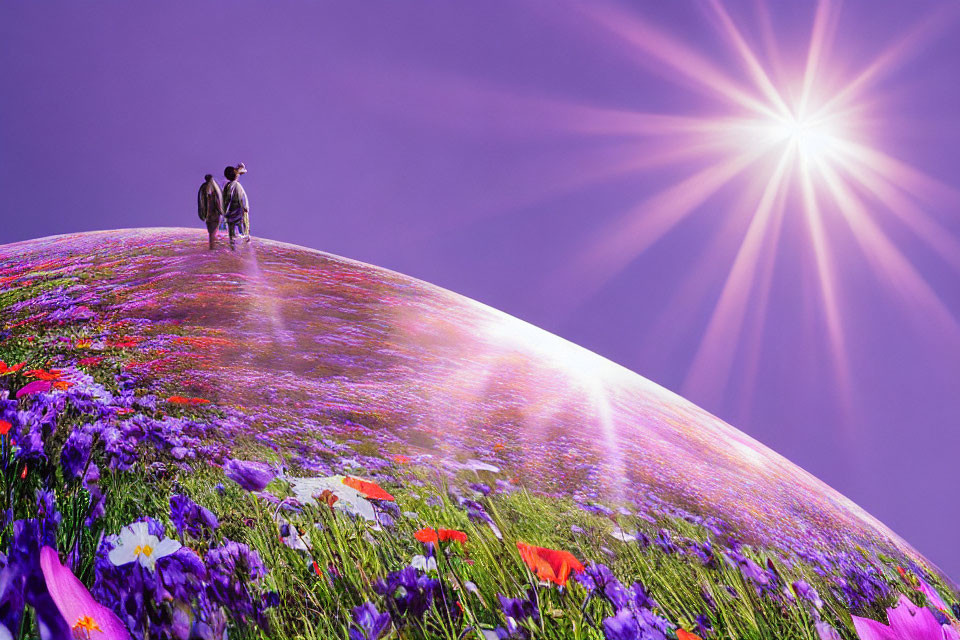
[808, 593]
[664, 541]
[409, 593]
[477, 513]
[75, 453]
[519, 611]
[708, 598]
[48, 516]
[704, 552]
[704, 626]
[826, 632]
[370, 623]
[596, 577]
[480, 488]
[622, 626]
[232, 570]
[189, 517]
[750, 570]
[252, 476]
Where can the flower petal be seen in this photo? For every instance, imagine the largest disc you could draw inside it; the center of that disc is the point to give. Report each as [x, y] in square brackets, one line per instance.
[165, 547]
[910, 621]
[122, 554]
[872, 630]
[74, 601]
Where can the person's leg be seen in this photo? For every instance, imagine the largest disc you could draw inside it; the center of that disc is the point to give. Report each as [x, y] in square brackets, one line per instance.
[232, 226]
[212, 230]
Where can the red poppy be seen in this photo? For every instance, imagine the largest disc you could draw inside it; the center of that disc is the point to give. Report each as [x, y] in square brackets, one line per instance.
[124, 342]
[686, 635]
[4, 427]
[370, 490]
[40, 374]
[5, 370]
[90, 362]
[185, 400]
[436, 536]
[549, 564]
[401, 459]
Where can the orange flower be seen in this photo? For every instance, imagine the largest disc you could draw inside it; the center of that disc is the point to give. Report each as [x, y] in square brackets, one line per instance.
[40, 374]
[401, 459]
[370, 490]
[328, 497]
[549, 564]
[5, 370]
[431, 535]
[4, 427]
[686, 635]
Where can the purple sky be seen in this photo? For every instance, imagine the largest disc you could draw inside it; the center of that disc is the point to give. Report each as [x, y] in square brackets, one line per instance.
[447, 141]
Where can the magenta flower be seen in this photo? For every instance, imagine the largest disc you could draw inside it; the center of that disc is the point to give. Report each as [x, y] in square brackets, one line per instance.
[37, 386]
[932, 596]
[907, 622]
[83, 614]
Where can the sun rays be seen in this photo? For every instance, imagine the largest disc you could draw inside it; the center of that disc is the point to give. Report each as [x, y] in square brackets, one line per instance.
[801, 146]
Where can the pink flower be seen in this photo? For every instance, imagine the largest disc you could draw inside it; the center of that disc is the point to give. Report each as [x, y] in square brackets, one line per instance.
[907, 622]
[84, 615]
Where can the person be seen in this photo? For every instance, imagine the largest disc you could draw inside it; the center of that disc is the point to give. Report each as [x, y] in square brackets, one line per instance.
[236, 207]
[210, 206]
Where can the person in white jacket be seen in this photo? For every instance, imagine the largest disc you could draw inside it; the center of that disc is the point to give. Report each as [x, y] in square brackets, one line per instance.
[236, 207]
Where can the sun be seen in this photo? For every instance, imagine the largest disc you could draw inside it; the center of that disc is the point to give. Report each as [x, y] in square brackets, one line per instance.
[793, 132]
[813, 139]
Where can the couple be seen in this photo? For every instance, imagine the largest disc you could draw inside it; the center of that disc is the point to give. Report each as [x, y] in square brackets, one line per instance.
[230, 202]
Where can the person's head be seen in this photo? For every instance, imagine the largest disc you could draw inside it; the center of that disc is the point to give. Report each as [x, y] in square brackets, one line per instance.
[230, 173]
[208, 177]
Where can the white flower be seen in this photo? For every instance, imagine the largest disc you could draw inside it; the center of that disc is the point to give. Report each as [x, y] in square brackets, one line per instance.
[136, 543]
[424, 564]
[472, 465]
[623, 536]
[296, 541]
[348, 498]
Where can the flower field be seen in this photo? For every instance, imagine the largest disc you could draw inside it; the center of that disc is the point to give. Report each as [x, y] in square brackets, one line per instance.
[280, 443]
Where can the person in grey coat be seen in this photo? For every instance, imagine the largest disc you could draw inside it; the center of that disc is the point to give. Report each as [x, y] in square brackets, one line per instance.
[210, 206]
